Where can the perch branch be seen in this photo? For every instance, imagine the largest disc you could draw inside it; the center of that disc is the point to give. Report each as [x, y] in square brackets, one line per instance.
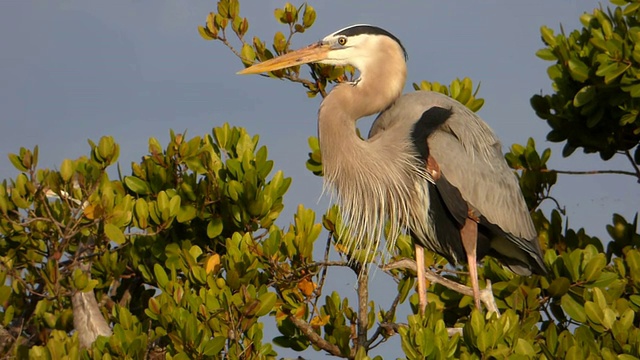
[486, 294]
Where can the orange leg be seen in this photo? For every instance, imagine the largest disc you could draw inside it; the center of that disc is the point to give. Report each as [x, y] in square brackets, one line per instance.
[422, 285]
[469, 233]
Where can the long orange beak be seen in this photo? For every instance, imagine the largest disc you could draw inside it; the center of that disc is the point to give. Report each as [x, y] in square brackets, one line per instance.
[309, 54]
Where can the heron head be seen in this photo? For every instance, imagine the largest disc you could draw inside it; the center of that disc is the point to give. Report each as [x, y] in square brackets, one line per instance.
[356, 45]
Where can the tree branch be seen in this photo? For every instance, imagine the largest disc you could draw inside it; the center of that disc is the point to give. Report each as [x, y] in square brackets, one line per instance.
[385, 325]
[363, 301]
[318, 341]
[590, 172]
[633, 164]
[294, 77]
[562, 210]
[486, 294]
[323, 276]
[87, 318]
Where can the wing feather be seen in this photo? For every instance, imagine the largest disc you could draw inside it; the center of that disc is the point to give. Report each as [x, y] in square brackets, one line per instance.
[469, 155]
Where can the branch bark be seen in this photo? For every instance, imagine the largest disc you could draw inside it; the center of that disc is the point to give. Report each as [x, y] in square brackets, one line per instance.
[386, 324]
[363, 301]
[590, 172]
[486, 294]
[87, 318]
[318, 341]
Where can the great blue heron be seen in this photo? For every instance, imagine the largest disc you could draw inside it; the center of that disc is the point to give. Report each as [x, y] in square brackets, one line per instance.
[430, 166]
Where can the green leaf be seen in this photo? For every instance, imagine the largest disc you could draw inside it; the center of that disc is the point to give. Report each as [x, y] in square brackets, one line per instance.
[633, 261]
[584, 96]
[594, 267]
[279, 42]
[66, 170]
[186, 213]
[205, 33]
[309, 16]
[593, 313]
[195, 251]
[17, 162]
[248, 54]
[161, 275]
[615, 73]
[546, 54]
[279, 15]
[578, 70]
[137, 185]
[80, 279]
[559, 287]
[114, 234]
[573, 308]
[517, 149]
[214, 346]
[214, 228]
[628, 119]
[524, 347]
[547, 36]
[267, 302]
[174, 205]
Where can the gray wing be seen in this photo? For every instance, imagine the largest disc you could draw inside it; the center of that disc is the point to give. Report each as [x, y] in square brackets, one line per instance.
[470, 156]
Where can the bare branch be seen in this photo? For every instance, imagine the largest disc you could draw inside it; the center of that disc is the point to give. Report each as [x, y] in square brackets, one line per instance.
[224, 40]
[363, 302]
[295, 77]
[590, 172]
[323, 276]
[87, 318]
[486, 294]
[562, 209]
[633, 164]
[308, 331]
[386, 324]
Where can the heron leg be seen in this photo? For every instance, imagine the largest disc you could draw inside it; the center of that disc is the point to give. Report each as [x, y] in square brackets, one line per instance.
[422, 284]
[469, 234]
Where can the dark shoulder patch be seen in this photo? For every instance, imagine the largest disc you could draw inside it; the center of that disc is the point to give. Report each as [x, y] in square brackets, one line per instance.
[426, 125]
[371, 30]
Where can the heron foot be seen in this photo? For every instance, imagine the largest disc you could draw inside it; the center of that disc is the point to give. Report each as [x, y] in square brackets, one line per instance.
[486, 294]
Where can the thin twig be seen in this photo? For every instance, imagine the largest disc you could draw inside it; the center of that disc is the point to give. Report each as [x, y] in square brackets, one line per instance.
[385, 324]
[224, 40]
[295, 78]
[562, 210]
[590, 172]
[318, 290]
[633, 164]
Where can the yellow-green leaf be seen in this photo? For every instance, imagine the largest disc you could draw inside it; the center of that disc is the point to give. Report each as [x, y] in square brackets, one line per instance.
[114, 233]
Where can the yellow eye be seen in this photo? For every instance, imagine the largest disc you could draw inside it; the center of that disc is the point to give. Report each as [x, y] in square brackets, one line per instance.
[342, 41]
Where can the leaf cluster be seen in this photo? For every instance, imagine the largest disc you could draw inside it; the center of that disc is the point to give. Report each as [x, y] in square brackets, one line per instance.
[296, 19]
[173, 247]
[595, 79]
[186, 260]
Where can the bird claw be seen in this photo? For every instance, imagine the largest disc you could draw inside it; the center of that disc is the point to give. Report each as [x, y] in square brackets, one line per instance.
[486, 294]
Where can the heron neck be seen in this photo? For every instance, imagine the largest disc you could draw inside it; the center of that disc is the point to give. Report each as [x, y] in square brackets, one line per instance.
[374, 92]
[352, 166]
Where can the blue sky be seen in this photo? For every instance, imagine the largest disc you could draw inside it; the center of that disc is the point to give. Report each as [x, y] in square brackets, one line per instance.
[76, 70]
